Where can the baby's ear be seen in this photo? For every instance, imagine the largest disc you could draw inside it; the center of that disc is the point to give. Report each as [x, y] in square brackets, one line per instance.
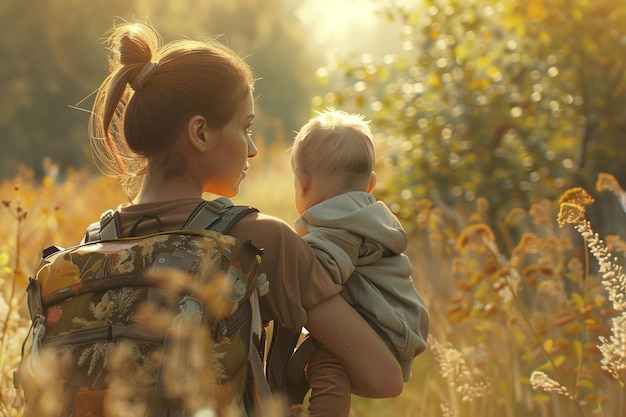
[372, 183]
[302, 181]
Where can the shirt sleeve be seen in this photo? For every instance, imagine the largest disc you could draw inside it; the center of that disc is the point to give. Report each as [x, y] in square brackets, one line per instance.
[297, 280]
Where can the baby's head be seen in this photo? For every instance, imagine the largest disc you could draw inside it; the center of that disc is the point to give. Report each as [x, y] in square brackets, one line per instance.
[333, 153]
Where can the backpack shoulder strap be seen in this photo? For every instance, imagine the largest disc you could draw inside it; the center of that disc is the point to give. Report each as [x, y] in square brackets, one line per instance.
[108, 227]
[219, 215]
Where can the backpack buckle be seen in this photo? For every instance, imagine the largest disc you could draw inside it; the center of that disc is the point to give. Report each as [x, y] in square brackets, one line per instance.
[235, 286]
[219, 205]
[190, 312]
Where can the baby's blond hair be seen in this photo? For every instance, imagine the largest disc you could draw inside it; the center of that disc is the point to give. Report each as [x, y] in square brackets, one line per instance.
[336, 143]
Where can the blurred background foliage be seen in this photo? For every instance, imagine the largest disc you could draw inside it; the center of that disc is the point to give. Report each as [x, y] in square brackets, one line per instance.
[512, 100]
[53, 57]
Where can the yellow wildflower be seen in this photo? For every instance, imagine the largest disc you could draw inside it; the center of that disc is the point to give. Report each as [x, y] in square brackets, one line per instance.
[570, 213]
[577, 196]
[607, 182]
[515, 217]
[474, 233]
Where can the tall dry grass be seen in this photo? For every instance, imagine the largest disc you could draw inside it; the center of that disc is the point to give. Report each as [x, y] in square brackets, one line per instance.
[533, 326]
[35, 214]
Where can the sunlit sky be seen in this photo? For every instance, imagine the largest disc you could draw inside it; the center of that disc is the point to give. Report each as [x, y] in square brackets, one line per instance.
[339, 17]
[341, 26]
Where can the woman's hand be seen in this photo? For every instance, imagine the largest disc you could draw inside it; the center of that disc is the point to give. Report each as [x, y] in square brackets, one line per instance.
[372, 367]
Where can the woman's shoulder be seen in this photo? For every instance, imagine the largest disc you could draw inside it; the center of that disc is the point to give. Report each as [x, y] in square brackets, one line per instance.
[259, 227]
[298, 280]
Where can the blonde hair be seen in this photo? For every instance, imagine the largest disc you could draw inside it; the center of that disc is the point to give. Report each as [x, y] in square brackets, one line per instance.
[151, 93]
[336, 143]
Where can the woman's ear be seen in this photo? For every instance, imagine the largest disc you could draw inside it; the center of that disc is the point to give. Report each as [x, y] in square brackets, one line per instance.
[199, 133]
[372, 183]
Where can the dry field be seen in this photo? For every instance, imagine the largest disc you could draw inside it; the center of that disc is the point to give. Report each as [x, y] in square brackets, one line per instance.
[533, 327]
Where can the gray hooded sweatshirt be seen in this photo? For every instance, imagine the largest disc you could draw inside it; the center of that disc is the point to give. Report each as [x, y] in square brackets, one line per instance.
[361, 242]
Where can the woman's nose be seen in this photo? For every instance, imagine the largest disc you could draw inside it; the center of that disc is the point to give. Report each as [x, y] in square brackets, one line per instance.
[252, 150]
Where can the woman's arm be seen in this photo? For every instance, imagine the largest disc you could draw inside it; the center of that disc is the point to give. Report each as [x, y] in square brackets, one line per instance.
[373, 368]
[302, 293]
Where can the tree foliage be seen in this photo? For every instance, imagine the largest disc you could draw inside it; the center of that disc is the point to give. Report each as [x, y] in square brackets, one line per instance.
[53, 58]
[511, 100]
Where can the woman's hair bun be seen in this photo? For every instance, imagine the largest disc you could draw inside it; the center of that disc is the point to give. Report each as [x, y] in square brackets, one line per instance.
[134, 43]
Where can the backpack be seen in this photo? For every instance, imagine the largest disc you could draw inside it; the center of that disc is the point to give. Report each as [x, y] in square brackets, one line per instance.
[165, 324]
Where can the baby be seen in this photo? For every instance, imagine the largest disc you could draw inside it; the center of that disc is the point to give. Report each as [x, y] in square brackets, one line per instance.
[360, 241]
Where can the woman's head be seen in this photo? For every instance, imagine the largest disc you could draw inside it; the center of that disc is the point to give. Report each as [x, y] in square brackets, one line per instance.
[152, 93]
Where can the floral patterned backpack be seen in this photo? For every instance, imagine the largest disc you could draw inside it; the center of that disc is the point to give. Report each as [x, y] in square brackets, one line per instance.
[159, 325]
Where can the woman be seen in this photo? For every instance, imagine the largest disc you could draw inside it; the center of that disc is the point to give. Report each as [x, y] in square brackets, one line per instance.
[174, 122]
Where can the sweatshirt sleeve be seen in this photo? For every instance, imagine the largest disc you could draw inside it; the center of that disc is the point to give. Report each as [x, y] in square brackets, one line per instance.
[336, 249]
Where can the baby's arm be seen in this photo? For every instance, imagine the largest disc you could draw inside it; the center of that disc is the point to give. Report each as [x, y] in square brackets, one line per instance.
[337, 249]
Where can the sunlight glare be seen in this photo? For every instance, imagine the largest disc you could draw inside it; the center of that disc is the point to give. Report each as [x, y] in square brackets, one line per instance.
[339, 28]
[335, 19]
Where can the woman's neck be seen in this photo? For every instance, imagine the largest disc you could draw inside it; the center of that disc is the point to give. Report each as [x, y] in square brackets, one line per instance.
[156, 188]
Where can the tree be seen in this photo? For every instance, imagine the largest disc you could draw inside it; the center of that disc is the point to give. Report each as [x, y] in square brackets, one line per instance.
[53, 58]
[513, 101]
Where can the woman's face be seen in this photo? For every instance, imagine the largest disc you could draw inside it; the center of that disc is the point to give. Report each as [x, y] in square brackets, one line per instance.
[228, 160]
